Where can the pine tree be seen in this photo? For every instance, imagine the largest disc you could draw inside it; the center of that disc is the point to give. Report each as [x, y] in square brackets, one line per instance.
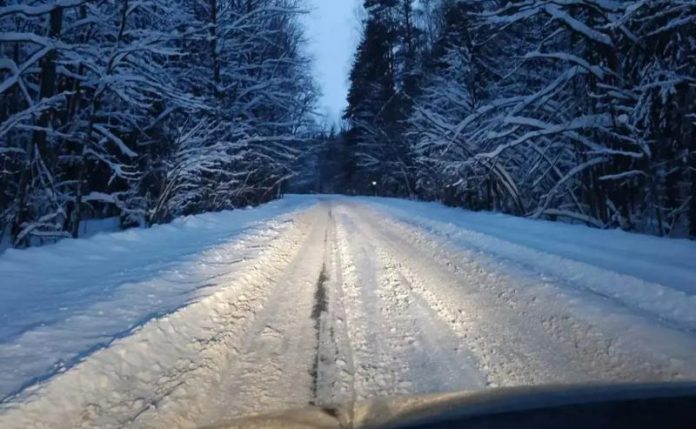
[384, 79]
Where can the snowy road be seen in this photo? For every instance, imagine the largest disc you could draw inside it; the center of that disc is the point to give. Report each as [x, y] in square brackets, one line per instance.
[336, 299]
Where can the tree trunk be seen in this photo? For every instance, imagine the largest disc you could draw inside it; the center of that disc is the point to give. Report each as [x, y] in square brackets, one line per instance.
[38, 141]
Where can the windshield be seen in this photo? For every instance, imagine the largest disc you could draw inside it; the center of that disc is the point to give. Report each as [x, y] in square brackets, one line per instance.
[217, 209]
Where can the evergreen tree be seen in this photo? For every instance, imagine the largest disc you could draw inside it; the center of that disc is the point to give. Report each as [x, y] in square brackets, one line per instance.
[383, 79]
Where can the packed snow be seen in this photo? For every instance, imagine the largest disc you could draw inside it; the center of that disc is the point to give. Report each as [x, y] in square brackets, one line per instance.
[325, 299]
[61, 303]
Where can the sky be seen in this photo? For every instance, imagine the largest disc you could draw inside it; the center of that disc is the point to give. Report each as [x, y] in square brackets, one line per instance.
[333, 30]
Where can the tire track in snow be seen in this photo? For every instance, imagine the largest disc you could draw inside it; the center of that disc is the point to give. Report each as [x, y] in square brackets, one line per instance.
[274, 366]
[335, 370]
[374, 370]
[400, 346]
[320, 308]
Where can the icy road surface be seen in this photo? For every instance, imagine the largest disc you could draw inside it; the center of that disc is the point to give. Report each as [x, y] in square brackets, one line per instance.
[331, 299]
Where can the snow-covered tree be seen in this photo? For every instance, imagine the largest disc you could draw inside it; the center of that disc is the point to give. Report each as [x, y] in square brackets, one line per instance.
[145, 109]
[581, 110]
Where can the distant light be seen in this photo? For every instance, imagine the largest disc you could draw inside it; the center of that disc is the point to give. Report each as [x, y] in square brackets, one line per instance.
[374, 183]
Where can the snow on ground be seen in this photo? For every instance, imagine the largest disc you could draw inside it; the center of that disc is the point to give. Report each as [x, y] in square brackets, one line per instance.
[331, 299]
[62, 302]
[88, 228]
[669, 262]
[653, 274]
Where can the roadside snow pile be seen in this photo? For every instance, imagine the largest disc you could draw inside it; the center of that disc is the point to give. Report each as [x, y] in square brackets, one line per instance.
[88, 228]
[61, 303]
[652, 274]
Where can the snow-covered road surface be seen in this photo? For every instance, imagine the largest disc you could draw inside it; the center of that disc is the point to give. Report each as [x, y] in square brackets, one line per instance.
[331, 299]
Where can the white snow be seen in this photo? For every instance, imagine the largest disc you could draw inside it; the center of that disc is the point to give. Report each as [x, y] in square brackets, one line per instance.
[669, 262]
[222, 315]
[88, 228]
[60, 303]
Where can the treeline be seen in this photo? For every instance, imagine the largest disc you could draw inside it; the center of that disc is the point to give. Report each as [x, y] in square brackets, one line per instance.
[582, 110]
[145, 109]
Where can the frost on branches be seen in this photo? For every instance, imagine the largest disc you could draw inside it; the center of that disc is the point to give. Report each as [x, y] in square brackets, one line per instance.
[581, 110]
[145, 109]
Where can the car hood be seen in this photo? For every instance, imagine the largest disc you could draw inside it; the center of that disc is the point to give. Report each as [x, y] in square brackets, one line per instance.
[665, 404]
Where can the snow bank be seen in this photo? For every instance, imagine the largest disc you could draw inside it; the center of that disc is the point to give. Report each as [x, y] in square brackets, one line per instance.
[88, 228]
[671, 262]
[63, 302]
[651, 274]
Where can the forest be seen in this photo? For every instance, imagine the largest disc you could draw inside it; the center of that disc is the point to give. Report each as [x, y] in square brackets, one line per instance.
[581, 111]
[574, 110]
[145, 109]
